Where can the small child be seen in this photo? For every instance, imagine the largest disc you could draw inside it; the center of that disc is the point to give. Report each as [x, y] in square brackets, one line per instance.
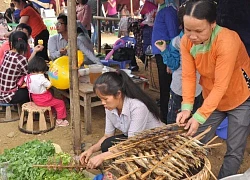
[38, 86]
[123, 24]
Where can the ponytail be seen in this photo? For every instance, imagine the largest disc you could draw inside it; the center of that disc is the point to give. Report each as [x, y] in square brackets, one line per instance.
[18, 41]
[111, 82]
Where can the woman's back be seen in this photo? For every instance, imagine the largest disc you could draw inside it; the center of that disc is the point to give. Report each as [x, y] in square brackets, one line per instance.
[14, 66]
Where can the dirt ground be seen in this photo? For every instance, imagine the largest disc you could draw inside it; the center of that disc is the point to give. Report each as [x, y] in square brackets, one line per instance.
[11, 137]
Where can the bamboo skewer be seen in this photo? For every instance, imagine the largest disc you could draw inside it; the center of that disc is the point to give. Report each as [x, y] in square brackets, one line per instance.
[212, 145]
[127, 175]
[209, 142]
[131, 159]
[51, 166]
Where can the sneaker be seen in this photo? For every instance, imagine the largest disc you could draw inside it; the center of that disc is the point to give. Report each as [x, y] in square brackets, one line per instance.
[62, 123]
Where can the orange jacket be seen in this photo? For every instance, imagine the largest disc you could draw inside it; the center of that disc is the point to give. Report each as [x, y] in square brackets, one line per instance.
[220, 62]
[35, 20]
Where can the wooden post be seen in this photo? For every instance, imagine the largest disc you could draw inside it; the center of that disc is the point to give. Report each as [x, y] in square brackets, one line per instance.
[58, 7]
[99, 6]
[73, 76]
[131, 8]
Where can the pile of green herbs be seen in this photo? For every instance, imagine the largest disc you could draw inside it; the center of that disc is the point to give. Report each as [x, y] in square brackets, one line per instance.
[22, 158]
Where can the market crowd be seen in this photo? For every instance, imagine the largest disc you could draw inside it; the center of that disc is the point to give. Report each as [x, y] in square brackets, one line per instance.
[200, 49]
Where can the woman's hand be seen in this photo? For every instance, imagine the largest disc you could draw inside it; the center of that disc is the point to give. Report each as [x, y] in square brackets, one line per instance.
[84, 157]
[192, 127]
[182, 117]
[38, 48]
[96, 161]
[161, 45]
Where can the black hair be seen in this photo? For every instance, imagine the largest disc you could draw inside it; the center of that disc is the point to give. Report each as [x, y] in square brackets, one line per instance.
[110, 83]
[37, 64]
[82, 2]
[203, 9]
[120, 7]
[64, 18]
[18, 41]
[12, 5]
[28, 3]
[25, 26]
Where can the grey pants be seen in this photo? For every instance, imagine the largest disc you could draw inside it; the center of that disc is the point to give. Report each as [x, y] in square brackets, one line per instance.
[238, 131]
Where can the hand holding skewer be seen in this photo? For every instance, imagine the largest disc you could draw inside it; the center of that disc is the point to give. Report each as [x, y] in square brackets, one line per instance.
[183, 119]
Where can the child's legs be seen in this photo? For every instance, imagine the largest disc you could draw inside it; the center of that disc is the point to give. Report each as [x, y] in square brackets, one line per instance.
[47, 99]
[174, 105]
[60, 108]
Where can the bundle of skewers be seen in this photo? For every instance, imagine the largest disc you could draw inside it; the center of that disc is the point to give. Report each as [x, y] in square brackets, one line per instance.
[160, 153]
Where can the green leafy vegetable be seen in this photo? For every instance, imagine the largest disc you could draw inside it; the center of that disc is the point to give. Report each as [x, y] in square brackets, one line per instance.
[22, 158]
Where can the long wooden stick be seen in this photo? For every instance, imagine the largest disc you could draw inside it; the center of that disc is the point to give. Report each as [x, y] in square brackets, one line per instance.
[131, 159]
[212, 145]
[50, 166]
[215, 137]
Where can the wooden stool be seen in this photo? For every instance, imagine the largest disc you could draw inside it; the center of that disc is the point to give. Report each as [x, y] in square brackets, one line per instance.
[28, 110]
[9, 109]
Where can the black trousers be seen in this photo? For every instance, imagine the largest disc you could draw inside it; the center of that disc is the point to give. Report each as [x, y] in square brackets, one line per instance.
[107, 143]
[165, 80]
[21, 96]
[112, 23]
[44, 35]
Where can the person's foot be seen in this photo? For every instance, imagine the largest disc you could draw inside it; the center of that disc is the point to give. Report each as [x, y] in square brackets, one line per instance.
[134, 68]
[62, 123]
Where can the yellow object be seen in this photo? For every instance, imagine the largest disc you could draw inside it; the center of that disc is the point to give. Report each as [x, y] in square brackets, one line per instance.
[59, 71]
[40, 42]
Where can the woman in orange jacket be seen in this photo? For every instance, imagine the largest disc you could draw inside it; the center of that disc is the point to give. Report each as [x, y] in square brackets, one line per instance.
[220, 57]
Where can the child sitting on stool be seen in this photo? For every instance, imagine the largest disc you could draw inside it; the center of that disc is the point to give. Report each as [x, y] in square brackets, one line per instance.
[38, 86]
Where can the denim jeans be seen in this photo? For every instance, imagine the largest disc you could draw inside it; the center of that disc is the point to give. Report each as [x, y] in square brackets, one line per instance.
[94, 35]
[174, 105]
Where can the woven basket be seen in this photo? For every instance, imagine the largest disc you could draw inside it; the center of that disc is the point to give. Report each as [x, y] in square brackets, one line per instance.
[204, 174]
[153, 75]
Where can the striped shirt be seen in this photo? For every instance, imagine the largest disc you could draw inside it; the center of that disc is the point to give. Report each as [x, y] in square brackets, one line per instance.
[135, 117]
[14, 66]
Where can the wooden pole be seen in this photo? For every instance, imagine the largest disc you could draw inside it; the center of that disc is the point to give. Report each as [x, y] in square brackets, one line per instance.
[73, 76]
[131, 8]
[99, 6]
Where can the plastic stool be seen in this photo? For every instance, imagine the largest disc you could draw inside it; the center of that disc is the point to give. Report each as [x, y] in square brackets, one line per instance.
[9, 109]
[28, 110]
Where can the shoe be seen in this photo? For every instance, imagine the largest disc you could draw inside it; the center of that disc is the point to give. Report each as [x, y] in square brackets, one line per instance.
[62, 123]
[134, 68]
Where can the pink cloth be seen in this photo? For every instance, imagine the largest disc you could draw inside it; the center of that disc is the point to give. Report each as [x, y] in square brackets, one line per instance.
[47, 99]
[111, 10]
[84, 15]
[6, 47]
